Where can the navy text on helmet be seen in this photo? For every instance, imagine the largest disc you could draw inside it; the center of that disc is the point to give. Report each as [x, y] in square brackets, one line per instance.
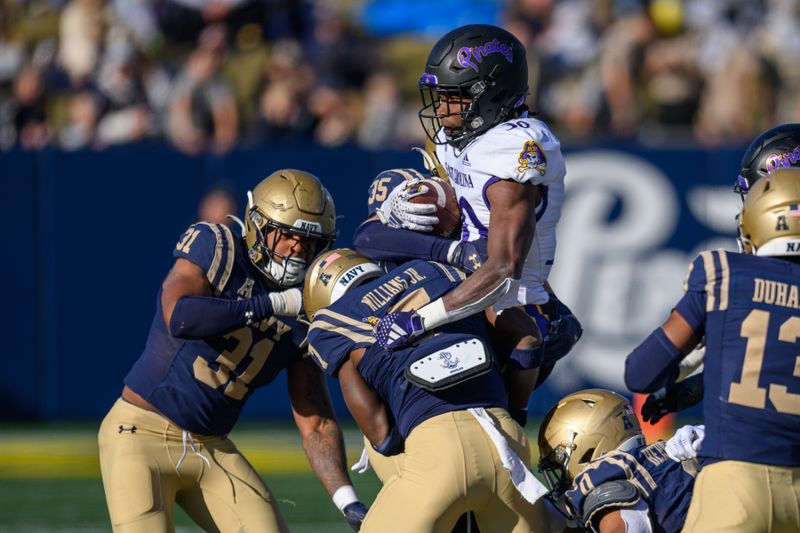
[478, 72]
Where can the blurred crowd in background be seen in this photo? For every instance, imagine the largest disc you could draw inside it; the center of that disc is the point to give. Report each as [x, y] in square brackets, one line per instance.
[208, 75]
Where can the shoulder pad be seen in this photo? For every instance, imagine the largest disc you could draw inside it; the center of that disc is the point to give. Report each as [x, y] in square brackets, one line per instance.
[521, 150]
[617, 493]
[212, 247]
[706, 270]
[385, 182]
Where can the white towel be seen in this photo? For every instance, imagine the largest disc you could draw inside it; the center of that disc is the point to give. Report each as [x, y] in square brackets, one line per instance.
[525, 482]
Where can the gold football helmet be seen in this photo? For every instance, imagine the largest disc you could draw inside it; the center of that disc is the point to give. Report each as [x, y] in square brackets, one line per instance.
[288, 203]
[769, 224]
[583, 426]
[334, 273]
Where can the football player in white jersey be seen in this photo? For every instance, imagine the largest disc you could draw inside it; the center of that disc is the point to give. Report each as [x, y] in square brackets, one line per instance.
[507, 170]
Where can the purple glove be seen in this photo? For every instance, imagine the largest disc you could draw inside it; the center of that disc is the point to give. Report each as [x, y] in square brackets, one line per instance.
[398, 329]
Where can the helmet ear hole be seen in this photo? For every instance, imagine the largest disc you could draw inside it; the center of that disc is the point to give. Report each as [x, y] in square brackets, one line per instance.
[587, 456]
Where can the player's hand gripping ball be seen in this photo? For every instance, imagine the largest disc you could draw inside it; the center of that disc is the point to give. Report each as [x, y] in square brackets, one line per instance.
[439, 193]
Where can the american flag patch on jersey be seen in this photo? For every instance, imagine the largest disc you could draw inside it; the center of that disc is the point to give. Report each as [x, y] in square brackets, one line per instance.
[794, 210]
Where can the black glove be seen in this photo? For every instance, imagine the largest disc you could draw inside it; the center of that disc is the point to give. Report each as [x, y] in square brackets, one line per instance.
[466, 257]
[354, 514]
[672, 398]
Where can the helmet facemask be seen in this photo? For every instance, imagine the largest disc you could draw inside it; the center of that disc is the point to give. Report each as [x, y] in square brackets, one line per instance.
[555, 467]
[479, 108]
[285, 270]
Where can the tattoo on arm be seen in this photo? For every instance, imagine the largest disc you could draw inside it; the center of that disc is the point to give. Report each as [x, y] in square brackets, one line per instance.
[322, 438]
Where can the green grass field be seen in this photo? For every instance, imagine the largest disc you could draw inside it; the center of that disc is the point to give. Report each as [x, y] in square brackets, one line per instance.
[50, 479]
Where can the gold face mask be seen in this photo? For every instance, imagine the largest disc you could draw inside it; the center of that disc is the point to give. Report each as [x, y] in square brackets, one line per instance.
[289, 202]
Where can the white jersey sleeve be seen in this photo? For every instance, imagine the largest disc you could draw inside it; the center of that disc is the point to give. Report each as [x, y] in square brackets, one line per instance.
[523, 150]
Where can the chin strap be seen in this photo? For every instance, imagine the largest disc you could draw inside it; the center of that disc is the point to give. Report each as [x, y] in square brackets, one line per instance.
[239, 222]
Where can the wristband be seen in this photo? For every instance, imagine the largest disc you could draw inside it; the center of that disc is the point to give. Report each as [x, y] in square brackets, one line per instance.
[433, 315]
[344, 496]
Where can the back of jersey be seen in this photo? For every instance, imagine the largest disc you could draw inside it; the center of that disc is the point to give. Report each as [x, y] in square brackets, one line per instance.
[665, 486]
[752, 364]
[347, 325]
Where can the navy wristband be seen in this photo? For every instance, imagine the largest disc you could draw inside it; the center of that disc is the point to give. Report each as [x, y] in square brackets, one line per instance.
[527, 358]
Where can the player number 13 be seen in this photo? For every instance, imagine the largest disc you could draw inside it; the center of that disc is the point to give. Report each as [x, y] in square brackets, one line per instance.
[746, 391]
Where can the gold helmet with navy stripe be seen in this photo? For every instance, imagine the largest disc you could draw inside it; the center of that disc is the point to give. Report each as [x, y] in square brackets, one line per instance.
[334, 273]
[769, 224]
[583, 426]
[288, 202]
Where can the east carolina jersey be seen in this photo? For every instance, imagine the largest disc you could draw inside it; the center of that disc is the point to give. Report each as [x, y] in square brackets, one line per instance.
[347, 325]
[522, 150]
[749, 309]
[665, 486]
[202, 385]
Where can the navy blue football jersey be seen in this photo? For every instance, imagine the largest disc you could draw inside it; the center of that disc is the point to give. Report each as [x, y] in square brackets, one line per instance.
[347, 325]
[664, 486]
[385, 182]
[202, 385]
[749, 309]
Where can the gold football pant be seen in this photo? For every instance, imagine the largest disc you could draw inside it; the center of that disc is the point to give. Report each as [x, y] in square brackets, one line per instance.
[450, 466]
[739, 497]
[148, 464]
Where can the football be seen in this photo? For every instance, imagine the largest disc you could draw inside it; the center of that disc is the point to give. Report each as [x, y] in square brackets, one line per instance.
[443, 196]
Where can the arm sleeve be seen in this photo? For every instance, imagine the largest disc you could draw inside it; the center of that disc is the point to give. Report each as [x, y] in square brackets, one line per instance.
[202, 317]
[653, 364]
[382, 243]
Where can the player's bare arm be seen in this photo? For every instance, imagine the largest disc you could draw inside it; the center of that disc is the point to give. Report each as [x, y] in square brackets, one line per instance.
[612, 522]
[184, 279]
[512, 227]
[514, 221]
[680, 333]
[313, 414]
[363, 402]
[519, 330]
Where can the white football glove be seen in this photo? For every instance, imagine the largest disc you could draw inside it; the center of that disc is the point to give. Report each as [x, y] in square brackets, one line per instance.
[685, 443]
[363, 464]
[288, 302]
[398, 212]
